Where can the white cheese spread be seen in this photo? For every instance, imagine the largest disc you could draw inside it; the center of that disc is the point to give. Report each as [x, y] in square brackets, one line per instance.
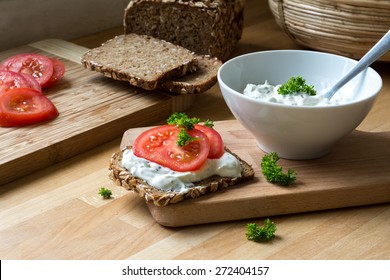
[269, 93]
[166, 179]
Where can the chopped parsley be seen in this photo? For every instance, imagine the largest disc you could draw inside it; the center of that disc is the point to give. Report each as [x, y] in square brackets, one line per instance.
[105, 193]
[296, 85]
[181, 119]
[209, 123]
[184, 138]
[274, 173]
[257, 233]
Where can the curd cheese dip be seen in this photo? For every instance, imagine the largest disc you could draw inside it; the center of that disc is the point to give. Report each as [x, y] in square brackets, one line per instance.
[166, 179]
[269, 93]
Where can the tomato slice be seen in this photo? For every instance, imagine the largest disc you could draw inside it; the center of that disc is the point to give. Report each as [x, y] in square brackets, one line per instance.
[158, 145]
[38, 66]
[217, 147]
[58, 72]
[10, 80]
[25, 106]
[31, 82]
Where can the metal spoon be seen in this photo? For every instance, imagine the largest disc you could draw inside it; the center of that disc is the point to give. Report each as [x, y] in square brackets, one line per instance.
[373, 54]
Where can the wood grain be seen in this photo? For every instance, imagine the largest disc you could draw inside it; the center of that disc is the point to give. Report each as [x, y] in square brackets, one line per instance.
[356, 172]
[93, 110]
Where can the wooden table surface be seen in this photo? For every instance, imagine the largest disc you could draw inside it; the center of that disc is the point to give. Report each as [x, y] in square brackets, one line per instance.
[57, 213]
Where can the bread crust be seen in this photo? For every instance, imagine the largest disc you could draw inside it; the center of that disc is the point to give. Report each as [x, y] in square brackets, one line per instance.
[122, 177]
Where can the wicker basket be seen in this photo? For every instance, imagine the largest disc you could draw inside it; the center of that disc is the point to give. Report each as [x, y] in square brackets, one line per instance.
[345, 27]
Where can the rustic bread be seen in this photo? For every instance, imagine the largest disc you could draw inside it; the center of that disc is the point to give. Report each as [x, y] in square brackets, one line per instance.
[141, 60]
[211, 27]
[124, 178]
[198, 81]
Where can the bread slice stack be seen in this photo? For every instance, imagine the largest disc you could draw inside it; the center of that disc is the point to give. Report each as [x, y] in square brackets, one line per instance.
[122, 177]
[152, 63]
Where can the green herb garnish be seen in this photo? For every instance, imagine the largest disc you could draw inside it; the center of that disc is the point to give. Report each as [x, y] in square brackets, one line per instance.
[257, 233]
[105, 193]
[296, 85]
[209, 123]
[274, 173]
[184, 138]
[181, 119]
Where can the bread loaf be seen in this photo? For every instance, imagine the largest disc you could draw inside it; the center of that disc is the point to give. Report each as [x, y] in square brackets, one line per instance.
[209, 27]
[141, 60]
[124, 178]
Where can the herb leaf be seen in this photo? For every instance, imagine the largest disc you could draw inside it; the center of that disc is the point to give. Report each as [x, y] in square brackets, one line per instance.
[184, 138]
[296, 85]
[181, 119]
[209, 123]
[105, 193]
[274, 173]
[261, 234]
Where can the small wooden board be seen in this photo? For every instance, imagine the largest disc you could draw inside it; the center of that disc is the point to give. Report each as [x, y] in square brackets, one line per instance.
[356, 172]
[93, 110]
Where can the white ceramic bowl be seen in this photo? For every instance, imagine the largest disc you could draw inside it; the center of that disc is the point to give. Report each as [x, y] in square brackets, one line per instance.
[296, 132]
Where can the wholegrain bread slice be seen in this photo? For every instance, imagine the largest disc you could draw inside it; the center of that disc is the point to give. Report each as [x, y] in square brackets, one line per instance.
[198, 81]
[122, 177]
[141, 60]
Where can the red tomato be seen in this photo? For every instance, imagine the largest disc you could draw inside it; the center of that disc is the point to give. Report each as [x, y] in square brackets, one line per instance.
[38, 66]
[159, 145]
[31, 82]
[217, 147]
[58, 72]
[24, 106]
[10, 80]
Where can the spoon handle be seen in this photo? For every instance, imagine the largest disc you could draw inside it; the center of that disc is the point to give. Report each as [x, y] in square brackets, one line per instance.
[379, 49]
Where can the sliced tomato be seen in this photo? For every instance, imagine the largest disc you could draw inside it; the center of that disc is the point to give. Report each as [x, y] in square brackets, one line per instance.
[25, 106]
[158, 145]
[58, 72]
[217, 147]
[38, 66]
[10, 80]
[31, 82]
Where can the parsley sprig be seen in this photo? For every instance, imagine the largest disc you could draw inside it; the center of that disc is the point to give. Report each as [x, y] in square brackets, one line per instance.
[184, 138]
[209, 123]
[257, 233]
[296, 85]
[274, 173]
[105, 193]
[181, 119]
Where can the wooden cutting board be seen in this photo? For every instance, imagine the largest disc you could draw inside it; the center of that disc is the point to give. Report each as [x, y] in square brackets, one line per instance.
[93, 110]
[356, 172]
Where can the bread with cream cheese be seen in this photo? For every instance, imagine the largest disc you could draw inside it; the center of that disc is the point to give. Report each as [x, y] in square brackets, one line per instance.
[122, 177]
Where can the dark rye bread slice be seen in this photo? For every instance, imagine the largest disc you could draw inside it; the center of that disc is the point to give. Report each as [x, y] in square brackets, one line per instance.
[141, 60]
[122, 177]
[210, 27]
[196, 82]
